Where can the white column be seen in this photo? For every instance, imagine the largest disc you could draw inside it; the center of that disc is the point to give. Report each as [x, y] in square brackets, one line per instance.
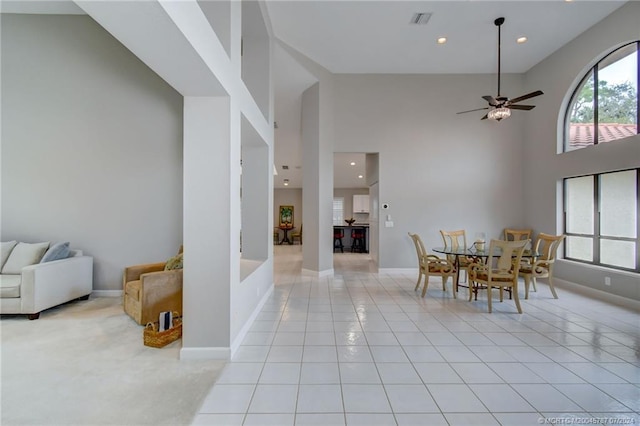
[209, 227]
[317, 187]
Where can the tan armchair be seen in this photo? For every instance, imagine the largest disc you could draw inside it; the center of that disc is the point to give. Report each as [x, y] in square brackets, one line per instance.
[149, 289]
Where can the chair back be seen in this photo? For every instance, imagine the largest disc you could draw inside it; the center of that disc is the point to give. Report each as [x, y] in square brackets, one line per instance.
[454, 239]
[547, 245]
[420, 250]
[517, 234]
[504, 258]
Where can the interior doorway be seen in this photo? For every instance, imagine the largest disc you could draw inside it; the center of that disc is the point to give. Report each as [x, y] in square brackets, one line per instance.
[355, 205]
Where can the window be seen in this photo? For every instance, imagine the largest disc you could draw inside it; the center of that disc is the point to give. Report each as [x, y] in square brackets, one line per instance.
[338, 210]
[601, 219]
[605, 105]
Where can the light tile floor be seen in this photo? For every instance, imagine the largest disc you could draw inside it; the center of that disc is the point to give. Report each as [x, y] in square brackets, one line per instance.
[362, 348]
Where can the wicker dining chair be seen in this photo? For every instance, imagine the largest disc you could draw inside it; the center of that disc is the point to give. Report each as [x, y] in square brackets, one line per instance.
[500, 271]
[542, 266]
[511, 234]
[432, 265]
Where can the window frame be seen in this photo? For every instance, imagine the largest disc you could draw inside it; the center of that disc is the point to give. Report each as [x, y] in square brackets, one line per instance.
[593, 71]
[597, 237]
[337, 222]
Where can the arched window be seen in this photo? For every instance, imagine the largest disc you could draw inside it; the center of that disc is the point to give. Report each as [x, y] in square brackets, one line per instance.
[605, 106]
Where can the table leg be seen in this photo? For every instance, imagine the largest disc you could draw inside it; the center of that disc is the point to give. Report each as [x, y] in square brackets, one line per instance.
[285, 238]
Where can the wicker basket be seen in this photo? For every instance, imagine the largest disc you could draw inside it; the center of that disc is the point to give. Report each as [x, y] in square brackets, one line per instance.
[158, 339]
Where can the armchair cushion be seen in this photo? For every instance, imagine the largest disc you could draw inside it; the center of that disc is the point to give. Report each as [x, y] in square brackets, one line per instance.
[24, 254]
[56, 252]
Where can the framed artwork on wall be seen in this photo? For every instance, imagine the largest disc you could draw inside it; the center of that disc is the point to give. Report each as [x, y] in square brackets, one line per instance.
[286, 217]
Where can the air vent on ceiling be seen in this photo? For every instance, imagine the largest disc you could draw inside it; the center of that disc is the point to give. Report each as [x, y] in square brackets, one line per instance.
[420, 18]
[285, 167]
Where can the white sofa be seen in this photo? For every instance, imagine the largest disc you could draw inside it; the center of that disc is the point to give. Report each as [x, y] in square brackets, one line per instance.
[41, 286]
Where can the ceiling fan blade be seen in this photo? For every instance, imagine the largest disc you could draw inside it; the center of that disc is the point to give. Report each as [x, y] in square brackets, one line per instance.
[485, 117]
[492, 101]
[523, 107]
[471, 110]
[527, 96]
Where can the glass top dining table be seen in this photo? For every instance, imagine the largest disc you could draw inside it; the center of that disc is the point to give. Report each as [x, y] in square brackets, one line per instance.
[473, 252]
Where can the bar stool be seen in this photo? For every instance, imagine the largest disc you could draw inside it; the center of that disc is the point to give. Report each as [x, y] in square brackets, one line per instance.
[338, 235]
[357, 240]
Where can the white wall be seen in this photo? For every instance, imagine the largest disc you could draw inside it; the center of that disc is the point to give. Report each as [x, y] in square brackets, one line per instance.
[544, 169]
[437, 170]
[91, 145]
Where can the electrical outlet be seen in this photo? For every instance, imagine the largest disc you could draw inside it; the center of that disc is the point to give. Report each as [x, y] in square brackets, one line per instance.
[607, 280]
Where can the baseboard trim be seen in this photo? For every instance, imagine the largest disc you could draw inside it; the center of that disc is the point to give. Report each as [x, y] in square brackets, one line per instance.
[247, 325]
[597, 294]
[317, 274]
[106, 293]
[397, 271]
[205, 353]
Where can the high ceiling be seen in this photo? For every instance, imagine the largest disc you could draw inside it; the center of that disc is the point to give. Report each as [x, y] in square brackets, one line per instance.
[377, 37]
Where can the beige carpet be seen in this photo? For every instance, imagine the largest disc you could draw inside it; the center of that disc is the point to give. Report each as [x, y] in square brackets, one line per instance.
[84, 363]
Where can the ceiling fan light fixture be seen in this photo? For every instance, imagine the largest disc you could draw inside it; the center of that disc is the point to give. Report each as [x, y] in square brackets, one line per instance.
[499, 114]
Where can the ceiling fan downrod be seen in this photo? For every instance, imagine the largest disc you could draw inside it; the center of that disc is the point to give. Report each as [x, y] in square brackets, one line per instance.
[498, 23]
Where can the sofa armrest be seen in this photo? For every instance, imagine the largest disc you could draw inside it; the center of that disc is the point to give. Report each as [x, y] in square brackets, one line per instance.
[49, 284]
[133, 273]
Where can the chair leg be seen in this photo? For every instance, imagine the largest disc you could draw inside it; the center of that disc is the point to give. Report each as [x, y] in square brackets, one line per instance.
[445, 278]
[426, 284]
[501, 294]
[533, 280]
[419, 279]
[516, 298]
[489, 296]
[553, 290]
[526, 286]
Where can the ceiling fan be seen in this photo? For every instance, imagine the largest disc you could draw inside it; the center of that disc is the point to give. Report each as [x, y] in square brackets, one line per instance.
[500, 106]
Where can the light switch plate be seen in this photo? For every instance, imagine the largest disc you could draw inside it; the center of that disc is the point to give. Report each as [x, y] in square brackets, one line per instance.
[388, 224]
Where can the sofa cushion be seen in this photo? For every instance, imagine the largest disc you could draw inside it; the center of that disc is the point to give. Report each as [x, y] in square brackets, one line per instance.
[10, 286]
[56, 252]
[6, 247]
[24, 254]
[132, 289]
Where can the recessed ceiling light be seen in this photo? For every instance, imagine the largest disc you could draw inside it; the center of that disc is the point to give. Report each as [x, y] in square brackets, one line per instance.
[286, 182]
[353, 163]
[442, 40]
[360, 176]
[521, 40]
